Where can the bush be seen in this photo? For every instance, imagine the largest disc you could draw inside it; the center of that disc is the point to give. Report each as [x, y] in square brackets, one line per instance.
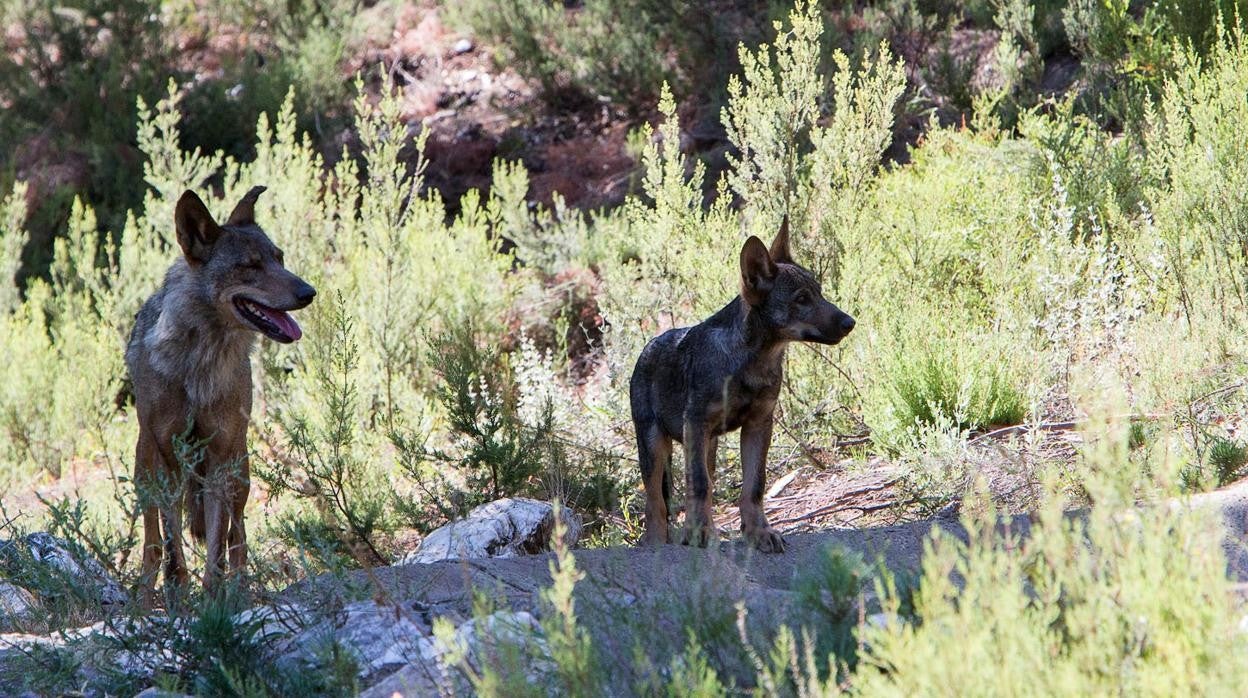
[1107, 602]
[496, 452]
[621, 50]
[74, 76]
[324, 461]
[954, 379]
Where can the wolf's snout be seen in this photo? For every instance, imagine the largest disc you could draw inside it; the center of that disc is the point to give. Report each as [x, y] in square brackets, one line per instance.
[304, 294]
[847, 323]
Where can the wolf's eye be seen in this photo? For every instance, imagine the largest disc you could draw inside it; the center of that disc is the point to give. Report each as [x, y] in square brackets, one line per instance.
[256, 264]
[802, 298]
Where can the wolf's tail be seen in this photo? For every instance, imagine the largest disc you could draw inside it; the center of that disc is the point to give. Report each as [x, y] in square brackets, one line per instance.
[195, 502]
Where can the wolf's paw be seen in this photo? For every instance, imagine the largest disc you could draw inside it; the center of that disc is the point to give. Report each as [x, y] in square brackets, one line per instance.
[766, 539]
[699, 534]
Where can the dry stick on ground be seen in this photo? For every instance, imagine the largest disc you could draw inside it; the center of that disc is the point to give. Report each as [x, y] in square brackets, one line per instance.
[837, 506]
[801, 445]
[1214, 393]
[1191, 412]
[833, 509]
[1061, 426]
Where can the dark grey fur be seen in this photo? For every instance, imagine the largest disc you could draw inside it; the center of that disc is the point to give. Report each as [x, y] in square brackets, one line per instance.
[694, 384]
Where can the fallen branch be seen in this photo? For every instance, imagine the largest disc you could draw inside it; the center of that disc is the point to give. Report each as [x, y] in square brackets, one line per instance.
[1060, 426]
[835, 509]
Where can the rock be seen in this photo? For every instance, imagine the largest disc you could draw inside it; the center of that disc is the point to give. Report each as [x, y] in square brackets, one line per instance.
[482, 637]
[415, 680]
[461, 47]
[396, 650]
[477, 638]
[270, 622]
[382, 638]
[16, 604]
[153, 692]
[503, 528]
[59, 555]
[882, 620]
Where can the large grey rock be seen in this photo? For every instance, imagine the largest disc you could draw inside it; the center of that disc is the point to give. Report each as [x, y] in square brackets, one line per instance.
[503, 528]
[154, 692]
[83, 570]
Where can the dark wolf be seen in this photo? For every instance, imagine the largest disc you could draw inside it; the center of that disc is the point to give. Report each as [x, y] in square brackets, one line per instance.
[694, 384]
[188, 358]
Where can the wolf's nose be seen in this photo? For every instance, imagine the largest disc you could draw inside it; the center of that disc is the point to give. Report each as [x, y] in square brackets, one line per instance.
[847, 323]
[306, 294]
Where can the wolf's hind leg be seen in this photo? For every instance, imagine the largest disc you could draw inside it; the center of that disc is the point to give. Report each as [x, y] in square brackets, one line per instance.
[654, 451]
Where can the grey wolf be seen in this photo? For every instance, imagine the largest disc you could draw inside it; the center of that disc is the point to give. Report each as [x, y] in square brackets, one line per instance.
[188, 358]
[694, 384]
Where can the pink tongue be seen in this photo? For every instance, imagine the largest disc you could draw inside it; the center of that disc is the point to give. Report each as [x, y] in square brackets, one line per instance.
[284, 321]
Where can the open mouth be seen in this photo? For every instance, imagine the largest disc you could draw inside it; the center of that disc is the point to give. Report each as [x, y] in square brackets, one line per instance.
[275, 324]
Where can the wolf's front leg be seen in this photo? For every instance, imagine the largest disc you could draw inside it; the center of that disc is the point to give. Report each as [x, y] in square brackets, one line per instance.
[240, 489]
[755, 440]
[699, 526]
[147, 466]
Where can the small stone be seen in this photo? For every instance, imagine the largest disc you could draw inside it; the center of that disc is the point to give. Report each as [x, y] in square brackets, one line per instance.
[153, 692]
[16, 604]
[461, 47]
[58, 554]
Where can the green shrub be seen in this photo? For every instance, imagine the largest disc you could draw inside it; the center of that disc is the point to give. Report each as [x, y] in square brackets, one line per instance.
[1228, 459]
[74, 75]
[621, 50]
[495, 452]
[325, 463]
[945, 381]
[1122, 599]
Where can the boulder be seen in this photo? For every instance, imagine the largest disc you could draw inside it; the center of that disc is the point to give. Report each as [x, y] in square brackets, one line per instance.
[503, 528]
[382, 637]
[154, 692]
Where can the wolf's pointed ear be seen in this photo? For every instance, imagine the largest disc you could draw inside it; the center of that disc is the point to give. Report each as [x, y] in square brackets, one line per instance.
[245, 212]
[780, 246]
[197, 232]
[758, 271]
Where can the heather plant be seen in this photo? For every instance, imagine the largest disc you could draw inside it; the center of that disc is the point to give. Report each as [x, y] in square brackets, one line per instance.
[117, 51]
[12, 240]
[324, 462]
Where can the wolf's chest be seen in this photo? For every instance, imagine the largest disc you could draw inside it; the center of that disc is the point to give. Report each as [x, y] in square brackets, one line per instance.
[211, 372]
[742, 399]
